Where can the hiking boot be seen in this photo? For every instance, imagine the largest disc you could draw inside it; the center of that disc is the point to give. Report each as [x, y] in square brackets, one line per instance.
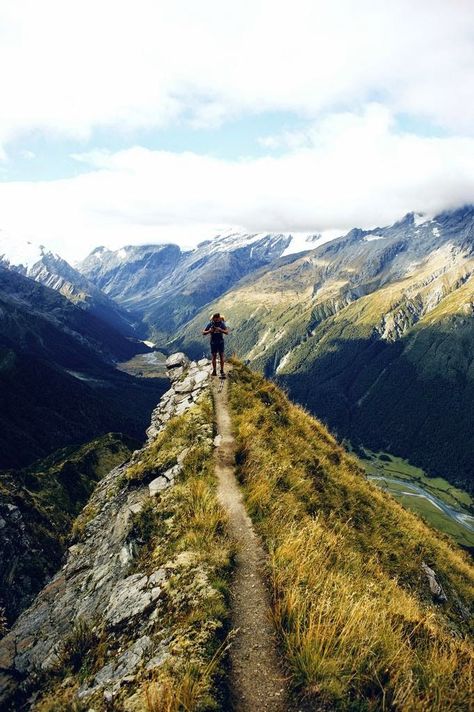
[214, 373]
[223, 375]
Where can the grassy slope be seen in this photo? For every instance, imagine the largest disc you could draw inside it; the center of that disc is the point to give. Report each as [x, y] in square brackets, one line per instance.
[184, 530]
[353, 608]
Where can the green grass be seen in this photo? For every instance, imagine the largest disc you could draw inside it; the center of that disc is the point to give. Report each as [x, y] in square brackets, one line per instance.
[355, 617]
[409, 477]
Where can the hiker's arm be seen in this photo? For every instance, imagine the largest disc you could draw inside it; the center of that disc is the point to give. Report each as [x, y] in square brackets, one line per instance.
[206, 331]
[224, 331]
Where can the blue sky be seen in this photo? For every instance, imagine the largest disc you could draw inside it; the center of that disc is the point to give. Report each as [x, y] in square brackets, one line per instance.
[151, 120]
[41, 156]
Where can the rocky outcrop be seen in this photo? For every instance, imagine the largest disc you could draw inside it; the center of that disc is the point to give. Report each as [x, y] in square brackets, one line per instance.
[99, 585]
[435, 587]
[183, 392]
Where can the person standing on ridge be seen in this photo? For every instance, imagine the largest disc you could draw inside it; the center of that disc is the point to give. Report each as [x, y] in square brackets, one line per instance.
[217, 328]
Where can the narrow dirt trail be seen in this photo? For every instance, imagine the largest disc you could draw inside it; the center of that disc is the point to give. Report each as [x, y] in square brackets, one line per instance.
[256, 679]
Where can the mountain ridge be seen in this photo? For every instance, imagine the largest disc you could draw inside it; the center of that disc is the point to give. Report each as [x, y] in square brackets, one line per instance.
[357, 583]
[51, 270]
[326, 322]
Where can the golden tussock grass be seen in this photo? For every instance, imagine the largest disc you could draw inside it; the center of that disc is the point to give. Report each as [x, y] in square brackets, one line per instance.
[351, 604]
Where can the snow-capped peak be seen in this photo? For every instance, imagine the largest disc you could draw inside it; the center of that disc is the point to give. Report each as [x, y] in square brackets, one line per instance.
[421, 218]
[231, 240]
[20, 253]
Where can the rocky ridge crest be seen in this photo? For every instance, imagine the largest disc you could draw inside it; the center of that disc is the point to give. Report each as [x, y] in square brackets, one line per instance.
[98, 581]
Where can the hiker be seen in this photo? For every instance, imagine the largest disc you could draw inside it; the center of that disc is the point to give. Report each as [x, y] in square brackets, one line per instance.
[217, 328]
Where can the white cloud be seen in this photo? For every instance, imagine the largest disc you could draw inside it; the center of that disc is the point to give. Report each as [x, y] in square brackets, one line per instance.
[349, 170]
[69, 67]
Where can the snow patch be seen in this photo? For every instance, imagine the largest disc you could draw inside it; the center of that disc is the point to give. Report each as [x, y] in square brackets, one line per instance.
[421, 218]
[302, 241]
[371, 238]
[122, 254]
[19, 253]
[436, 232]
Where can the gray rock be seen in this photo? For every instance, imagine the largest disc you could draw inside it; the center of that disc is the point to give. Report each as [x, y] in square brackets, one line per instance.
[185, 386]
[176, 373]
[184, 405]
[201, 377]
[182, 455]
[158, 485]
[130, 597]
[175, 360]
[114, 673]
[435, 587]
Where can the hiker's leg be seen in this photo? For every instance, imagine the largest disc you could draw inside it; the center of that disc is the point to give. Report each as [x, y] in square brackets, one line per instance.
[214, 358]
[221, 355]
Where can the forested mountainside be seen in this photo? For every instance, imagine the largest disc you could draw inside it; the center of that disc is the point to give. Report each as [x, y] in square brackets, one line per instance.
[374, 333]
[166, 287]
[58, 383]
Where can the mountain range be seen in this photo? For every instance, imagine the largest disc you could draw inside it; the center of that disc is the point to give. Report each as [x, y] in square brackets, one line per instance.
[167, 287]
[360, 329]
[51, 270]
[373, 332]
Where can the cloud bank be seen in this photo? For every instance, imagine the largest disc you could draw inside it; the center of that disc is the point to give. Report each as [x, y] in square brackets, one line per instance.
[385, 91]
[69, 67]
[350, 170]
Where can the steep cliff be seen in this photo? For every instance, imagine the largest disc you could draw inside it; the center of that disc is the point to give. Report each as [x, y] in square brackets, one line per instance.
[37, 507]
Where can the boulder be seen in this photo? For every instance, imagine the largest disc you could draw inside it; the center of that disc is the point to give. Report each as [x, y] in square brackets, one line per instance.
[176, 360]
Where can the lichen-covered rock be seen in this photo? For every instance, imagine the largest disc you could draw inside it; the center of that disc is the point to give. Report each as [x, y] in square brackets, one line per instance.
[131, 597]
[119, 671]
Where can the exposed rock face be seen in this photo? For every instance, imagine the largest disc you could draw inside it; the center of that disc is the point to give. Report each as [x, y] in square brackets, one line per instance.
[98, 582]
[183, 392]
[435, 587]
[37, 508]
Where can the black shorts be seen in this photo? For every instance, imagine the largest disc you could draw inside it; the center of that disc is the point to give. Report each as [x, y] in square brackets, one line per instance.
[217, 348]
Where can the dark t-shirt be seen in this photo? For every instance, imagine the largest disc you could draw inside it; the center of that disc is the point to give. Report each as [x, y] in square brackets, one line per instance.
[217, 337]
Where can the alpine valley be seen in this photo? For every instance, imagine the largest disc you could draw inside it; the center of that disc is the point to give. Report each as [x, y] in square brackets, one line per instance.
[374, 333]
[133, 484]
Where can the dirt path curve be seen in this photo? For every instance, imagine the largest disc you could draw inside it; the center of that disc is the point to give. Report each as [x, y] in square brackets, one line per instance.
[256, 680]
